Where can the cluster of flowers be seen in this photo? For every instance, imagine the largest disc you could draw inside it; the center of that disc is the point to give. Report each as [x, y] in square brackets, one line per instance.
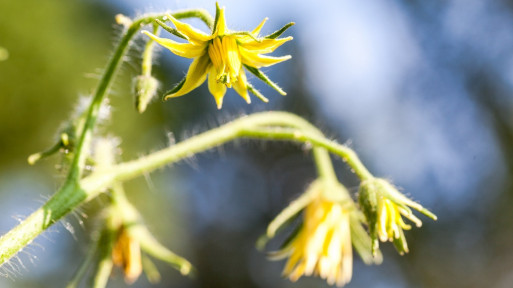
[332, 223]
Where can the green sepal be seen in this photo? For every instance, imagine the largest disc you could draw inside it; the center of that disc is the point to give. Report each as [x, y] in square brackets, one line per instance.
[362, 243]
[389, 191]
[218, 11]
[263, 77]
[264, 238]
[292, 210]
[176, 88]
[368, 200]
[170, 29]
[33, 158]
[400, 243]
[150, 270]
[292, 235]
[257, 93]
[280, 31]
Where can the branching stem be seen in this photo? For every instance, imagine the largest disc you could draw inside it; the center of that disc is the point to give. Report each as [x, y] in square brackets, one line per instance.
[266, 125]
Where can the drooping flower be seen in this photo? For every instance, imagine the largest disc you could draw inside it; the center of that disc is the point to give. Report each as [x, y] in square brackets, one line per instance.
[221, 56]
[322, 245]
[384, 208]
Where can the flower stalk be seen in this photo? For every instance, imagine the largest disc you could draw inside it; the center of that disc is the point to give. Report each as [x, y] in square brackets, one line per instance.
[72, 194]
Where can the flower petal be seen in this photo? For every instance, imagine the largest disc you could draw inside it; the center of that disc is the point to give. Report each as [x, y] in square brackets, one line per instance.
[192, 34]
[255, 60]
[216, 89]
[221, 28]
[256, 31]
[294, 208]
[264, 46]
[241, 86]
[186, 50]
[231, 50]
[195, 76]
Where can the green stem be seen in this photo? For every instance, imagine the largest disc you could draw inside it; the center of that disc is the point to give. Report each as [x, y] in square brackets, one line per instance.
[78, 162]
[148, 53]
[71, 195]
[346, 153]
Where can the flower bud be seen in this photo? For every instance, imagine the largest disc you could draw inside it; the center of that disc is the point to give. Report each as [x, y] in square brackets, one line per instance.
[368, 201]
[145, 88]
[384, 207]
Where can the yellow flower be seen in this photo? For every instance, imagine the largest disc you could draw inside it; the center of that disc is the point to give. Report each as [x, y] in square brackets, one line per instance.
[322, 246]
[221, 56]
[384, 208]
[126, 254]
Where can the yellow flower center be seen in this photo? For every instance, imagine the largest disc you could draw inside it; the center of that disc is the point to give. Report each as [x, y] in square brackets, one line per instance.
[225, 56]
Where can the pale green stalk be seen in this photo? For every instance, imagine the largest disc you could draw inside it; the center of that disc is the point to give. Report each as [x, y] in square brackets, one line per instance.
[148, 53]
[346, 153]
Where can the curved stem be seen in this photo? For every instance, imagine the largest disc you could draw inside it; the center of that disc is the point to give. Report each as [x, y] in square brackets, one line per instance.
[73, 194]
[346, 153]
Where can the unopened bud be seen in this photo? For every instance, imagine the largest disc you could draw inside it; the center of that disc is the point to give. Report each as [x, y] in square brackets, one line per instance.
[368, 201]
[145, 89]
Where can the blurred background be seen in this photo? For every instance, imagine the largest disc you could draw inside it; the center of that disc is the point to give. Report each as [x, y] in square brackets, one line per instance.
[420, 89]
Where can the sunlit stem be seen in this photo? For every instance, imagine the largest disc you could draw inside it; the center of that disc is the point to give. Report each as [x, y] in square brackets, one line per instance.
[346, 153]
[148, 53]
[70, 195]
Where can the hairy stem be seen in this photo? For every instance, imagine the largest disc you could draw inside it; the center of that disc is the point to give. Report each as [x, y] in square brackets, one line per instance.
[77, 164]
[70, 196]
[346, 153]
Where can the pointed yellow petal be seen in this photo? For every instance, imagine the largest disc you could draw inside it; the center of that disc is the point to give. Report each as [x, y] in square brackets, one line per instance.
[256, 31]
[257, 61]
[216, 89]
[220, 29]
[231, 50]
[192, 34]
[294, 259]
[195, 76]
[264, 46]
[186, 50]
[241, 86]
